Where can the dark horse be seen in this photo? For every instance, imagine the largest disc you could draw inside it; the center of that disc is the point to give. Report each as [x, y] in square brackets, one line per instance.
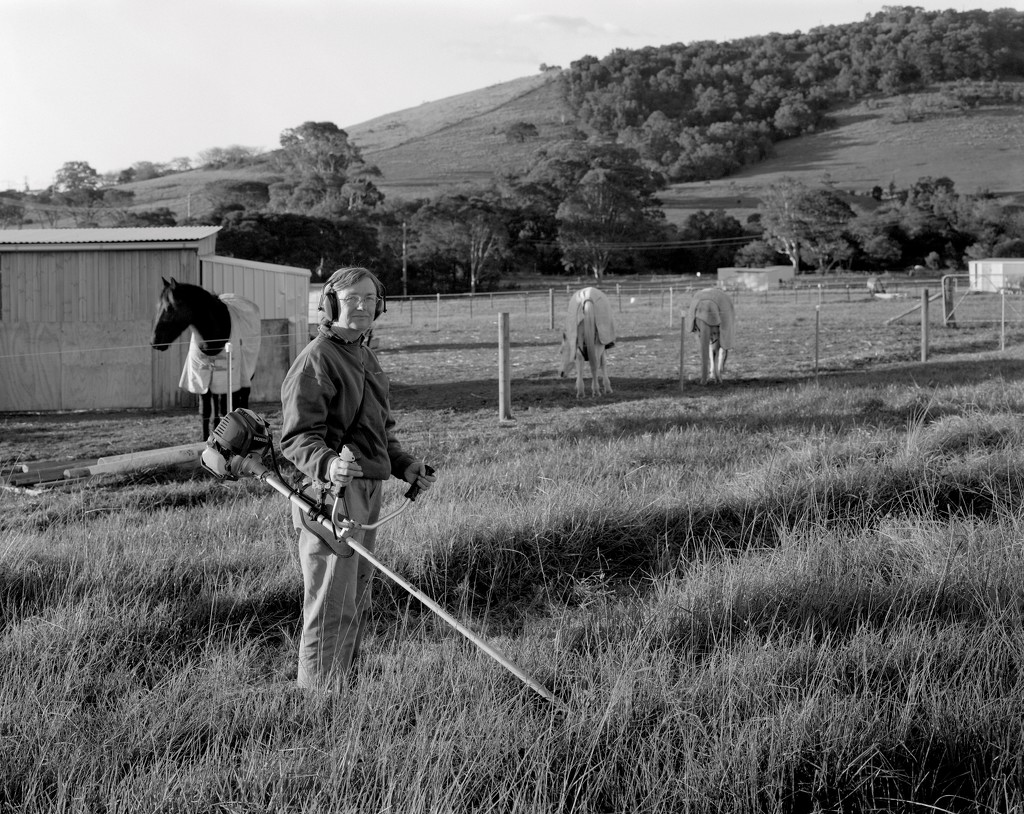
[205, 373]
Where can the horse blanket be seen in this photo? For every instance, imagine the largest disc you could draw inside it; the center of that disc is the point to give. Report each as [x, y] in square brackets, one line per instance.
[602, 315]
[713, 307]
[203, 373]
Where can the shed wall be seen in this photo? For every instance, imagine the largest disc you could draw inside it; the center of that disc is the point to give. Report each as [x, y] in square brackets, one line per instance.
[75, 328]
[281, 292]
[995, 274]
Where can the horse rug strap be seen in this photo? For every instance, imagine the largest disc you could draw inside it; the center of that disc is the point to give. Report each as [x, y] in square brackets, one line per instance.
[202, 373]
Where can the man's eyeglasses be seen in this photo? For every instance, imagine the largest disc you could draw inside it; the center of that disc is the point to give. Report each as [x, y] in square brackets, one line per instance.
[353, 300]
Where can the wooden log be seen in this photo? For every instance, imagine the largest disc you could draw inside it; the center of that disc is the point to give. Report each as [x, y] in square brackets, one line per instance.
[141, 460]
[38, 476]
[109, 459]
[35, 466]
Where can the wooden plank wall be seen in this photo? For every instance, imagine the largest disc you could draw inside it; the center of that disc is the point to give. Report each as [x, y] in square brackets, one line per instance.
[273, 362]
[282, 294]
[75, 328]
[30, 366]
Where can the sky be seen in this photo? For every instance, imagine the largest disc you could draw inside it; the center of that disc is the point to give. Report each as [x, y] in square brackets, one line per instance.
[115, 82]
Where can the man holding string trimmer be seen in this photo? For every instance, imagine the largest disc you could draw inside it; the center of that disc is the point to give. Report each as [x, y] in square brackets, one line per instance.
[338, 430]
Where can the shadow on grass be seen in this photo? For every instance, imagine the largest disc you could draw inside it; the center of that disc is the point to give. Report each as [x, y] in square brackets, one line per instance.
[548, 390]
[504, 574]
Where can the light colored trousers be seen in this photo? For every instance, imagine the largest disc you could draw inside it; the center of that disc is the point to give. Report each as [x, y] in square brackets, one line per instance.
[336, 592]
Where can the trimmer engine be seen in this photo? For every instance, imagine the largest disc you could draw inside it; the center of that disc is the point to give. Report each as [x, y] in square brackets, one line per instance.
[240, 434]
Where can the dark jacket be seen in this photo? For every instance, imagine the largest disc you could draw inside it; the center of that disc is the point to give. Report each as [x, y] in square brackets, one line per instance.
[335, 394]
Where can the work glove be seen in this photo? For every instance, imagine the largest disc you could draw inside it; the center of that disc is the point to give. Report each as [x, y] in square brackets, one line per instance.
[416, 474]
[344, 468]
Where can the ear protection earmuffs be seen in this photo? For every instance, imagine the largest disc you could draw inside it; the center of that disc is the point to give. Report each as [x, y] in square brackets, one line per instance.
[332, 308]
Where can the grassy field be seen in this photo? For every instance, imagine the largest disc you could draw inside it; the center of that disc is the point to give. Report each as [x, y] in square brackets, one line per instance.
[796, 591]
[869, 145]
[445, 143]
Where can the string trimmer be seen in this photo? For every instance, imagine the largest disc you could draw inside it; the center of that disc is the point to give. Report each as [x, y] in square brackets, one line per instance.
[237, 447]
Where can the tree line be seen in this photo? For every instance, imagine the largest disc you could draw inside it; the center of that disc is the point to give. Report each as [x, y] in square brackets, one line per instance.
[590, 204]
[703, 110]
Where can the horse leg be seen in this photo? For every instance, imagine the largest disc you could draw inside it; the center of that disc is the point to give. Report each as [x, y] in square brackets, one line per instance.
[604, 369]
[220, 408]
[595, 369]
[205, 407]
[705, 349]
[580, 389]
[718, 353]
[240, 398]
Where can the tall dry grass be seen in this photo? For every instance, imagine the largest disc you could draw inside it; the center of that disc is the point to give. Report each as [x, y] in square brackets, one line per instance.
[772, 598]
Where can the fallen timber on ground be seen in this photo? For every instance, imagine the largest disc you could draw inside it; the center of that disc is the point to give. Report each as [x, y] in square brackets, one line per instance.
[46, 473]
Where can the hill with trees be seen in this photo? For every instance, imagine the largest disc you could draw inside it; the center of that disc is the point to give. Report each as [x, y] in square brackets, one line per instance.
[881, 144]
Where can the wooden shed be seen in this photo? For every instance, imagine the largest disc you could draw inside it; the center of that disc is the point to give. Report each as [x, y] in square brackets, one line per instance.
[77, 309]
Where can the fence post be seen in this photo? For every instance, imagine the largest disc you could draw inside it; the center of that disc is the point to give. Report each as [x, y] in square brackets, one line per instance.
[670, 305]
[437, 317]
[1002, 320]
[682, 352]
[948, 294]
[817, 335]
[551, 305]
[231, 386]
[924, 325]
[504, 370]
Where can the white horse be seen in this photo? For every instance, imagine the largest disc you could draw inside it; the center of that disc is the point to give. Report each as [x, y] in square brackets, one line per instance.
[713, 317]
[589, 331]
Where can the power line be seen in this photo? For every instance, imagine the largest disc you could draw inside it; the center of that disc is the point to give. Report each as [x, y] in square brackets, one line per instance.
[663, 245]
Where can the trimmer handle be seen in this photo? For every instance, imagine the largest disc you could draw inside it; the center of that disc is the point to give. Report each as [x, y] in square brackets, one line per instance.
[346, 455]
[414, 490]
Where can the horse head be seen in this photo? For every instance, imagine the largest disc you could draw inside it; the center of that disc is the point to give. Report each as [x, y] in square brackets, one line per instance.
[172, 318]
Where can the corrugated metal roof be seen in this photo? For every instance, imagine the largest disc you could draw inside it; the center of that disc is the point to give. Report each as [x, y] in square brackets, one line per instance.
[253, 264]
[131, 234]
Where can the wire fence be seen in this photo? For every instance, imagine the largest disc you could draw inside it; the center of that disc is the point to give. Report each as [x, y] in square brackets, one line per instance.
[960, 305]
[539, 307]
[833, 324]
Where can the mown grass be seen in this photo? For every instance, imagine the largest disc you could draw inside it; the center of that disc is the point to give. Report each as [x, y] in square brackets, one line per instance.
[782, 594]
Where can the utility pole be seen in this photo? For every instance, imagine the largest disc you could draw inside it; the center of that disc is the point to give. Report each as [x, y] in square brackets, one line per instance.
[405, 270]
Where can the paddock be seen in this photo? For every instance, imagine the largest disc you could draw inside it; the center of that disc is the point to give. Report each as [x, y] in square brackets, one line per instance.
[445, 348]
[443, 351]
[651, 551]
